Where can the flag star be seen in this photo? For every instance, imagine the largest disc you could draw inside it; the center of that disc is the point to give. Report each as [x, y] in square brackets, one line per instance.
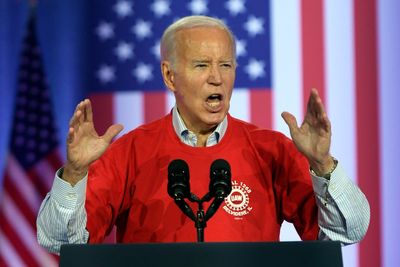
[254, 26]
[123, 8]
[142, 29]
[235, 7]
[255, 69]
[143, 72]
[105, 31]
[106, 74]
[241, 48]
[124, 51]
[160, 8]
[198, 7]
[155, 50]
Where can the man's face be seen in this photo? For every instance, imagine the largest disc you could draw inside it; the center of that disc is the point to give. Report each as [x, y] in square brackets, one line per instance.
[203, 77]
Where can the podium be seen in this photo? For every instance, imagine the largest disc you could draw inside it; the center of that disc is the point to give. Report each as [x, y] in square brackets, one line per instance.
[274, 254]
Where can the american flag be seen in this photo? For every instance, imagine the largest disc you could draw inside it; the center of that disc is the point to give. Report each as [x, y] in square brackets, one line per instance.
[284, 49]
[124, 56]
[345, 49]
[31, 163]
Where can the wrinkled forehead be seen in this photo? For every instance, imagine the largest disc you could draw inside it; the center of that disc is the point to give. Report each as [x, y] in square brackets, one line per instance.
[195, 38]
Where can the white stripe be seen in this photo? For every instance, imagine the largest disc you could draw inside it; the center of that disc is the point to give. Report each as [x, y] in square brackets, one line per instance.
[286, 72]
[240, 104]
[286, 61]
[23, 184]
[129, 110]
[340, 91]
[8, 253]
[389, 61]
[25, 233]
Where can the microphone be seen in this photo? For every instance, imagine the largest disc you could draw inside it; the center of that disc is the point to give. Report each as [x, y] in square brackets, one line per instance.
[178, 179]
[178, 185]
[220, 185]
[220, 179]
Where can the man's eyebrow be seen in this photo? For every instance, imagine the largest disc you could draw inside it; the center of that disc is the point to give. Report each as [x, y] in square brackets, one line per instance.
[201, 60]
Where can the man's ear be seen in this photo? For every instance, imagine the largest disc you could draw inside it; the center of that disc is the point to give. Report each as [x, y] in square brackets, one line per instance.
[168, 75]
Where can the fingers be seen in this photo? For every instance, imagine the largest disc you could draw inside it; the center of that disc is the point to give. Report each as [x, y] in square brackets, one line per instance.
[88, 110]
[315, 106]
[70, 136]
[82, 113]
[112, 131]
[291, 122]
[316, 111]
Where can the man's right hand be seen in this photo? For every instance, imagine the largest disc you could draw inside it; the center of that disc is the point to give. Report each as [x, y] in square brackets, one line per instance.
[84, 145]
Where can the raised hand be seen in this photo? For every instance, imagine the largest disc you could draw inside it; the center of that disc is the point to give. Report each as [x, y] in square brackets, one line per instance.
[313, 137]
[84, 145]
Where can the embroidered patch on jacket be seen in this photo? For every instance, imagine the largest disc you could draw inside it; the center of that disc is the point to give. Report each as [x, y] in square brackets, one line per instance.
[237, 203]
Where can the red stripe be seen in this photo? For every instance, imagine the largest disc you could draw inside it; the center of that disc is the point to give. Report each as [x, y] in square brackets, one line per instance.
[37, 182]
[261, 107]
[312, 48]
[103, 111]
[18, 200]
[54, 159]
[19, 247]
[2, 262]
[154, 105]
[367, 108]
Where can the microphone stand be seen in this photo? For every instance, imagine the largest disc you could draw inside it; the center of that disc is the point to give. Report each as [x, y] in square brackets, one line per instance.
[201, 219]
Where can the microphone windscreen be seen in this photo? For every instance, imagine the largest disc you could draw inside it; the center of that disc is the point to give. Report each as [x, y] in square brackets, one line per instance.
[220, 164]
[220, 179]
[177, 166]
[178, 179]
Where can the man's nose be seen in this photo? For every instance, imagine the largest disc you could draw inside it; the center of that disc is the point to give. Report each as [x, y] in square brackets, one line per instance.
[214, 77]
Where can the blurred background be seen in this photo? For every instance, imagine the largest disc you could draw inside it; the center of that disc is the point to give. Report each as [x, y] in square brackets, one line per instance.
[108, 51]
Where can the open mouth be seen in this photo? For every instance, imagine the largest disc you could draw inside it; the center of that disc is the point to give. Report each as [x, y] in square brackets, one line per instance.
[214, 101]
[214, 97]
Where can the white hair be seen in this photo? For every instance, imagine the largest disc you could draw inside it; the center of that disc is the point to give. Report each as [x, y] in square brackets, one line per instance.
[168, 41]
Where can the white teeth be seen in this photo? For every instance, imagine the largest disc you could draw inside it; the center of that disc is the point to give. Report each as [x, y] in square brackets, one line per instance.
[213, 104]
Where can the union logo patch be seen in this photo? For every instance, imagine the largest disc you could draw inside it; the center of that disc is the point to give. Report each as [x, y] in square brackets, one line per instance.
[237, 203]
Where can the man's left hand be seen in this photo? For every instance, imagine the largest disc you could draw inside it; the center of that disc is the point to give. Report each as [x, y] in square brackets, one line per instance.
[313, 137]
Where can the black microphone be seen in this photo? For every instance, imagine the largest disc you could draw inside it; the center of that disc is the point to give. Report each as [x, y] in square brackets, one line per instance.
[220, 185]
[220, 179]
[178, 179]
[178, 185]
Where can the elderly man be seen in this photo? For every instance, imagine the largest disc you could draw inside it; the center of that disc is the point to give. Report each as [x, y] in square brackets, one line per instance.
[273, 178]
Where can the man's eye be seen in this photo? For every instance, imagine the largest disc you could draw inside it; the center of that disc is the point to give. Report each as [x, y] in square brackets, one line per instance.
[201, 65]
[227, 65]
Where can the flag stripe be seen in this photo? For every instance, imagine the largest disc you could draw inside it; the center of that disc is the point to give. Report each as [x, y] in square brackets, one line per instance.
[286, 74]
[8, 253]
[25, 234]
[23, 186]
[37, 182]
[389, 80]
[16, 242]
[340, 99]
[368, 124]
[128, 109]
[261, 107]
[46, 169]
[29, 214]
[286, 62]
[154, 105]
[240, 98]
[53, 159]
[312, 48]
[103, 107]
